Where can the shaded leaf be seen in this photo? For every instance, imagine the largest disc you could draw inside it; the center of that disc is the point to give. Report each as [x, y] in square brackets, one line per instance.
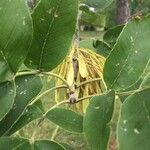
[7, 94]
[66, 119]
[129, 90]
[27, 87]
[96, 119]
[134, 123]
[130, 55]
[39, 105]
[102, 48]
[31, 113]
[146, 81]
[112, 34]
[92, 17]
[15, 36]
[11, 143]
[54, 23]
[47, 145]
[87, 44]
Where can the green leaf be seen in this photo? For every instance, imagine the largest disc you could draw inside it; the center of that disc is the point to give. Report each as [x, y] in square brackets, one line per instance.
[15, 36]
[112, 34]
[84, 8]
[27, 87]
[127, 92]
[66, 119]
[92, 17]
[102, 48]
[146, 81]
[47, 145]
[96, 120]
[31, 113]
[11, 143]
[39, 105]
[99, 3]
[54, 23]
[130, 55]
[7, 94]
[87, 44]
[134, 122]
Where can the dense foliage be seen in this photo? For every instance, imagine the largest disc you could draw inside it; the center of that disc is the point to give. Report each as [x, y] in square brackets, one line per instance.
[40, 39]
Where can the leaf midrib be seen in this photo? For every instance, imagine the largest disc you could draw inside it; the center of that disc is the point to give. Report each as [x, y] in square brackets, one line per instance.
[47, 34]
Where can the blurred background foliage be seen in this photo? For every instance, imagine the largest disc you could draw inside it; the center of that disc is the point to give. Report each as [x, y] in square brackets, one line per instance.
[107, 16]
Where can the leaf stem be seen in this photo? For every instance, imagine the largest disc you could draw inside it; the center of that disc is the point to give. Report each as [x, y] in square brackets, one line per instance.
[87, 97]
[54, 133]
[56, 105]
[23, 73]
[37, 72]
[46, 92]
[88, 81]
[68, 102]
[127, 92]
[57, 76]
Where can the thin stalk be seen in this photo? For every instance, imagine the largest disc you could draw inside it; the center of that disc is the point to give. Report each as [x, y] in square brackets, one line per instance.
[46, 92]
[57, 76]
[127, 92]
[68, 102]
[37, 72]
[56, 105]
[27, 73]
[61, 103]
[105, 86]
[88, 81]
[77, 34]
[32, 139]
[87, 97]
[54, 133]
